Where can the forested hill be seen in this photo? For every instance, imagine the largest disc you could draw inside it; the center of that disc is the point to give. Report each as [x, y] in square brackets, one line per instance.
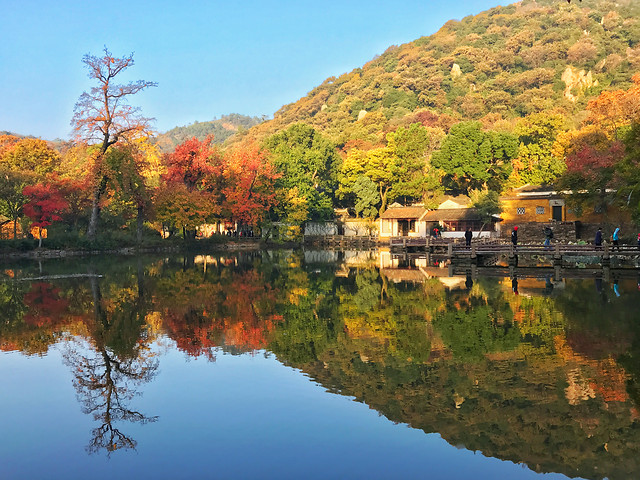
[501, 64]
[221, 129]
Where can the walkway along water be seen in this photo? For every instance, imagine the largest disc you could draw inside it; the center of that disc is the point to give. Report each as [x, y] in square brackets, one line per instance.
[479, 251]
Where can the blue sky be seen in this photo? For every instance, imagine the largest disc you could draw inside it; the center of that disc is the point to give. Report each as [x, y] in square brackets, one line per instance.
[209, 58]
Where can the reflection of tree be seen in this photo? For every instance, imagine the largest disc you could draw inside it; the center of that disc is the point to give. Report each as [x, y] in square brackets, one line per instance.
[108, 372]
[29, 315]
[218, 306]
[105, 384]
[46, 306]
[474, 325]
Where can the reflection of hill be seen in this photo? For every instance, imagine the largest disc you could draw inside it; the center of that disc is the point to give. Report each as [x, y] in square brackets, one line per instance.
[506, 409]
[488, 370]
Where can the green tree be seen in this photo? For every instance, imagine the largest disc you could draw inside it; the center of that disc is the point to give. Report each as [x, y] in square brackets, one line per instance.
[413, 175]
[308, 161]
[11, 197]
[367, 197]
[537, 163]
[474, 159]
[487, 203]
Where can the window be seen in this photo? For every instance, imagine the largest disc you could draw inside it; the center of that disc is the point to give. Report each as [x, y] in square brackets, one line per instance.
[412, 225]
[540, 210]
[520, 210]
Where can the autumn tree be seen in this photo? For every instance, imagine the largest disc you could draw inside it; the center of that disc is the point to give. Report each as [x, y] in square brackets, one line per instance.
[104, 117]
[250, 180]
[30, 155]
[177, 206]
[191, 192]
[193, 163]
[45, 205]
[124, 167]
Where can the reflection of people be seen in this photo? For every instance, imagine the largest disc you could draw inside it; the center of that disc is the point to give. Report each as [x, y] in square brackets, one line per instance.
[514, 236]
[468, 235]
[469, 282]
[514, 284]
[616, 287]
[598, 284]
[615, 238]
[598, 239]
[548, 284]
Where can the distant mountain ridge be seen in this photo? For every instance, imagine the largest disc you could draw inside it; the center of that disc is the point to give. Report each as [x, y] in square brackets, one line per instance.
[499, 65]
[221, 128]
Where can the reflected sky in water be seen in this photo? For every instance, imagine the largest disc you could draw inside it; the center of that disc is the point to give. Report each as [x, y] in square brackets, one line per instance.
[280, 366]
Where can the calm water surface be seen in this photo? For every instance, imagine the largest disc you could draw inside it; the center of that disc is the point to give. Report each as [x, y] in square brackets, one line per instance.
[316, 365]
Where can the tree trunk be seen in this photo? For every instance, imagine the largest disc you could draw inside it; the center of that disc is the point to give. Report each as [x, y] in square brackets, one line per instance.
[39, 237]
[15, 228]
[140, 223]
[95, 208]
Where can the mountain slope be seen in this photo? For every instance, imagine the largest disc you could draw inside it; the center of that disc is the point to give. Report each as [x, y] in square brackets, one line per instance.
[502, 64]
[221, 129]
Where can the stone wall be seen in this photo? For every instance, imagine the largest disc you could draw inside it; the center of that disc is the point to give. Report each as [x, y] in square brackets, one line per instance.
[563, 232]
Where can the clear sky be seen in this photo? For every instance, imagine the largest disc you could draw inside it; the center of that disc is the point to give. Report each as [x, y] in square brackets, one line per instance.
[209, 58]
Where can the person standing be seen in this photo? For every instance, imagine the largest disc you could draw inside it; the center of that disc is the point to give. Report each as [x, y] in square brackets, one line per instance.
[598, 240]
[468, 235]
[514, 236]
[616, 238]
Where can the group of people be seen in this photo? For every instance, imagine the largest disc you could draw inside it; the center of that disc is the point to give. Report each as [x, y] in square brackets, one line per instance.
[548, 236]
[615, 238]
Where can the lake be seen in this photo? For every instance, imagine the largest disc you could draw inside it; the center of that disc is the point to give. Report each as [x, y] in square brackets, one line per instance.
[291, 364]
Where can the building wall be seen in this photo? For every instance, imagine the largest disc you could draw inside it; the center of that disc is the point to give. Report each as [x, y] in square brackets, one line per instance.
[390, 228]
[526, 210]
[321, 228]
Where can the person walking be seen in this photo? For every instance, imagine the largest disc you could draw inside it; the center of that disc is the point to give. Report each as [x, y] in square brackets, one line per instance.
[468, 235]
[514, 236]
[548, 235]
[598, 240]
[616, 238]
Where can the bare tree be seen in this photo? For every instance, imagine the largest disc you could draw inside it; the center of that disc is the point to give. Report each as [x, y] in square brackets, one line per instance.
[104, 117]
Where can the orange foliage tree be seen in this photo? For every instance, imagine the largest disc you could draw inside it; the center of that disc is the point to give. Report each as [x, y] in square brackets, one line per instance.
[250, 185]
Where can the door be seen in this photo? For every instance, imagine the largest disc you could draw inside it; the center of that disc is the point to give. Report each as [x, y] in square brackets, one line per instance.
[403, 227]
[557, 213]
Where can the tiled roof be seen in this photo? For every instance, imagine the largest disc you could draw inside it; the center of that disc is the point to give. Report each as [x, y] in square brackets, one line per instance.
[452, 214]
[403, 213]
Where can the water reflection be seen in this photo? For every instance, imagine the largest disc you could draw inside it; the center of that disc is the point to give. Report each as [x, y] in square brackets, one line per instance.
[524, 366]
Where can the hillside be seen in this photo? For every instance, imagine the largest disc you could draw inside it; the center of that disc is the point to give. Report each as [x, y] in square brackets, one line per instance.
[499, 65]
[221, 129]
